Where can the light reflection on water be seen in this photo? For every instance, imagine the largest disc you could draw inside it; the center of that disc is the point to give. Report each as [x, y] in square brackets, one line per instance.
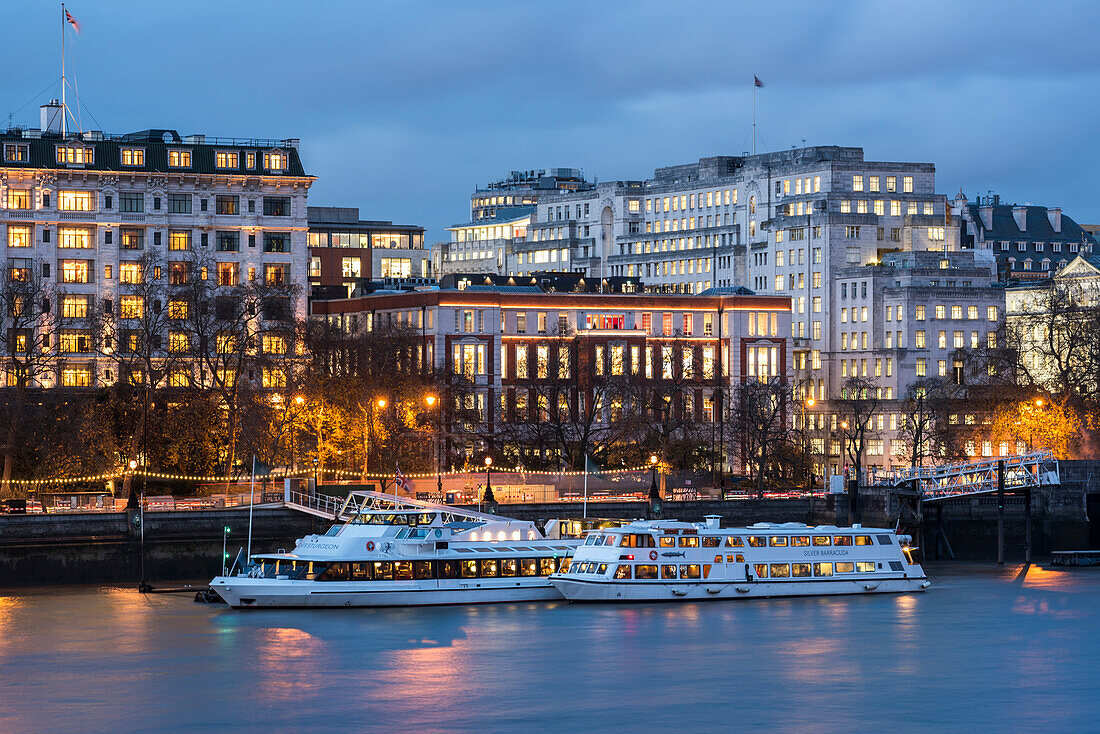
[985, 649]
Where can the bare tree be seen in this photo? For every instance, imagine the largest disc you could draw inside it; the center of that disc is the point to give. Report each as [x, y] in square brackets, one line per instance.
[860, 400]
[30, 311]
[762, 411]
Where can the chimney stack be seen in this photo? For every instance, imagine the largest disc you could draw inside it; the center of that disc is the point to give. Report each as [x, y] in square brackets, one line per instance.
[1054, 214]
[1019, 213]
[986, 213]
[52, 114]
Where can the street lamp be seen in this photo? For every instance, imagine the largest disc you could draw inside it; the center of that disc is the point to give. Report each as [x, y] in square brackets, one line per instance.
[653, 493]
[431, 400]
[488, 481]
[806, 405]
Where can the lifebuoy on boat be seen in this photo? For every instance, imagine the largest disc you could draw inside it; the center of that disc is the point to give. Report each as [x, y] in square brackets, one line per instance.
[370, 545]
[653, 555]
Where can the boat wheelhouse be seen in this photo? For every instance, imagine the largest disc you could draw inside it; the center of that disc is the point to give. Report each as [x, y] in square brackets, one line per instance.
[664, 560]
[392, 551]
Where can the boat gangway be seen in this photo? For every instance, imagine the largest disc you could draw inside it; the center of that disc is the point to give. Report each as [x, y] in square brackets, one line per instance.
[343, 509]
[951, 481]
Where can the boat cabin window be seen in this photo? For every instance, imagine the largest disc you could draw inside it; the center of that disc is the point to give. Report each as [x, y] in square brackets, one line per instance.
[403, 571]
[622, 572]
[823, 569]
[761, 570]
[668, 541]
[735, 559]
[601, 569]
[780, 570]
[530, 570]
[546, 566]
[645, 572]
[668, 572]
[863, 540]
[800, 570]
[509, 567]
[422, 569]
[778, 541]
[842, 540]
[865, 566]
[689, 571]
[528, 567]
[637, 541]
[895, 565]
[711, 541]
[733, 541]
[689, 542]
[334, 530]
[883, 539]
[383, 571]
[757, 541]
[845, 567]
[469, 569]
[800, 541]
[336, 572]
[489, 568]
[821, 540]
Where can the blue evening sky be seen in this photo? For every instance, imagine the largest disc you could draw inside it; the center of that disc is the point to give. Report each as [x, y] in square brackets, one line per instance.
[404, 107]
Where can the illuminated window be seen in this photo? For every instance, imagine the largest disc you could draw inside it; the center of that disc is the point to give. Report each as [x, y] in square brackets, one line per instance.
[19, 198]
[275, 161]
[274, 344]
[16, 153]
[131, 307]
[76, 377]
[274, 378]
[228, 274]
[73, 238]
[178, 343]
[75, 201]
[74, 271]
[129, 272]
[74, 155]
[907, 185]
[226, 159]
[177, 309]
[133, 156]
[179, 240]
[74, 307]
[179, 159]
[19, 236]
[351, 267]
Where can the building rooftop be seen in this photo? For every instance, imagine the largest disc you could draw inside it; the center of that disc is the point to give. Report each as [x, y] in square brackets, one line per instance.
[1038, 223]
[347, 217]
[41, 151]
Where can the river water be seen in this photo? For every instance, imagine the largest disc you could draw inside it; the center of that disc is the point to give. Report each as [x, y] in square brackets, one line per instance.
[985, 649]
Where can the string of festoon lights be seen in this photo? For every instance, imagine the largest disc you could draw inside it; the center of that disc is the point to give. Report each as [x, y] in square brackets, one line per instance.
[301, 474]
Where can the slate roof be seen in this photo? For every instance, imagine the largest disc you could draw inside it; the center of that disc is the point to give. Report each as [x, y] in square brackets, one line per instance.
[107, 157]
[503, 215]
[1038, 226]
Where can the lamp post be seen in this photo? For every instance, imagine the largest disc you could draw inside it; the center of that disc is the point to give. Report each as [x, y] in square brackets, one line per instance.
[806, 405]
[298, 401]
[489, 497]
[653, 493]
[431, 400]
[316, 479]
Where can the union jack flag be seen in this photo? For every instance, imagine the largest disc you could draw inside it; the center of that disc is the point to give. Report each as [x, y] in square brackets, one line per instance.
[401, 481]
[72, 21]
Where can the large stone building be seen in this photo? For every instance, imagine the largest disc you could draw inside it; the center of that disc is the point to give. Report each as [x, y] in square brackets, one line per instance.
[507, 341]
[778, 223]
[344, 249]
[1029, 242]
[908, 318]
[499, 216]
[84, 211]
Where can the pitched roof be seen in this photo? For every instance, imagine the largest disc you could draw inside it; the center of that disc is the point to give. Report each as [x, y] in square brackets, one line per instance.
[1037, 221]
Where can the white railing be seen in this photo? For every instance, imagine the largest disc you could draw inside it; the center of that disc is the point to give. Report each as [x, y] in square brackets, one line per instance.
[1034, 469]
[316, 504]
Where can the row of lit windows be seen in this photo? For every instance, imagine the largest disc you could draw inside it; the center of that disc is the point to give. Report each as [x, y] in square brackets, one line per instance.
[878, 207]
[874, 182]
[685, 202]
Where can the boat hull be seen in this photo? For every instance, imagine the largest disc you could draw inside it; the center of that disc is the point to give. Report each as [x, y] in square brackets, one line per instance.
[252, 593]
[583, 590]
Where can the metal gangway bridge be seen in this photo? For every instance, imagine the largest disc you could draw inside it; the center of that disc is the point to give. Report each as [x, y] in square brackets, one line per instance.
[343, 509]
[951, 481]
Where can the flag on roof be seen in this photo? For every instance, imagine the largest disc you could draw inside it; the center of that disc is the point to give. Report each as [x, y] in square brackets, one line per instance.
[72, 21]
[401, 481]
[756, 81]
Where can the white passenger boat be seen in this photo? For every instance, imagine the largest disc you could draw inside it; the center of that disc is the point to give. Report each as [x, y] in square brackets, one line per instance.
[665, 560]
[393, 551]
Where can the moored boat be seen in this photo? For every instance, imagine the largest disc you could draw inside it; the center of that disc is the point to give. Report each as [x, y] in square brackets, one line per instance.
[395, 552]
[667, 560]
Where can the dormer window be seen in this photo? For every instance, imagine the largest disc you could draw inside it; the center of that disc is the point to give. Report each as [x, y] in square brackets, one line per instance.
[275, 161]
[179, 159]
[16, 153]
[226, 159]
[249, 160]
[74, 155]
[133, 156]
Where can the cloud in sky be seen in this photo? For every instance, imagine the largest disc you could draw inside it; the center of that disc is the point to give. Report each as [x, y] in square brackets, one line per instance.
[404, 107]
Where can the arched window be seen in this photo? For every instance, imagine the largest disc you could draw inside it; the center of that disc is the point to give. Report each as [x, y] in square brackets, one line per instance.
[752, 205]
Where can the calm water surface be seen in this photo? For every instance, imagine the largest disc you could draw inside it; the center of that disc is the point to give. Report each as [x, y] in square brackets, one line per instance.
[984, 650]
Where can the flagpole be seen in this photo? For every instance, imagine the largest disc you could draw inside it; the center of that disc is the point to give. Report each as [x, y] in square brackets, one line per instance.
[251, 501]
[64, 108]
[754, 115]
